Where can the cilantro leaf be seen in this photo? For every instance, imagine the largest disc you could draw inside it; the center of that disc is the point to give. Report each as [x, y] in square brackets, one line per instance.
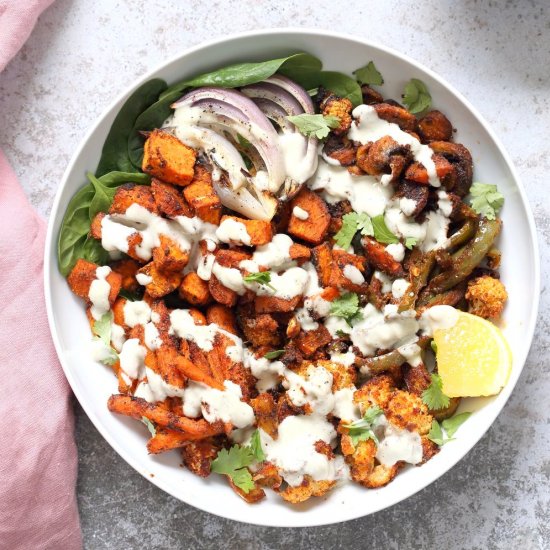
[150, 426]
[452, 424]
[486, 199]
[381, 232]
[243, 480]
[346, 306]
[351, 223]
[416, 96]
[410, 242]
[436, 434]
[346, 233]
[256, 446]
[364, 224]
[102, 331]
[369, 74]
[102, 328]
[274, 354]
[361, 430]
[129, 295]
[261, 277]
[314, 125]
[433, 396]
[233, 462]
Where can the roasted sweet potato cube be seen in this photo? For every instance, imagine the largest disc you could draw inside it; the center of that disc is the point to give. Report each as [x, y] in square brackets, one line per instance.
[310, 341]
[222, 294]
[231, 258]
[95, 228]
[198, 316]
[162, 283]
[314, 228]
[322, 259]
[132, 193]
[198, 455]
[300, 253]
[338, 279]
[169, 199]
[205, 202]
[265, 410]
[270, 304]
[118, 312]
[380, 258]
[127, 269]
[259, 231]
[223, 317]
[167, 158]
[84, 273]
[194, 290]
[261, 330]
[169, 257]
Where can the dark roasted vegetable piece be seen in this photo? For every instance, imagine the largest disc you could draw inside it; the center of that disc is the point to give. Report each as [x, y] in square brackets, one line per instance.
[435, 126]
[467, 258]
[461, 159]
[390, 360]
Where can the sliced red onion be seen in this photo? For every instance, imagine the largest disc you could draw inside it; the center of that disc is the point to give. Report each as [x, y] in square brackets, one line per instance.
[218, 149]
[292, 100]
[278, 95]
[234, 111]
[276, 113]
[295, 90]
[246, 203]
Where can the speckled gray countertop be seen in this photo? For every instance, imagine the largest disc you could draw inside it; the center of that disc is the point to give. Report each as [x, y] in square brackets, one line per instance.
[82, 54]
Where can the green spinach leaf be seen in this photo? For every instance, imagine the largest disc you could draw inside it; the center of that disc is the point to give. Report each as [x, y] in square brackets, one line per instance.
[153, 117]
[114, 155]
[96, 196]
[342, 85]
[241, 74]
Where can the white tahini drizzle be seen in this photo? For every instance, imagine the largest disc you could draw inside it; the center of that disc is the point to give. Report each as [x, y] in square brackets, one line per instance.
[99, 293]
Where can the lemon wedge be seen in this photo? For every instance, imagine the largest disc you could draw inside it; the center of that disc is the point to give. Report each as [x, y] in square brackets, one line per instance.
[473, 357]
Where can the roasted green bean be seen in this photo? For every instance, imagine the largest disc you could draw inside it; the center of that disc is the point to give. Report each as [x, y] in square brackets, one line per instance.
[467, 258]
[418, 277]
[390, 360]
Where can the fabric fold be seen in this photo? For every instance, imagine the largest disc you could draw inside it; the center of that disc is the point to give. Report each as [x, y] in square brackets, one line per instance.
[38, 459]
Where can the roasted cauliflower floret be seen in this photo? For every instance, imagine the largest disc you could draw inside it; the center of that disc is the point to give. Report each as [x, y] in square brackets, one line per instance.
[362, 464]
[486, 297]
[376, 392]
[339, 107]
[408, 412]
[309, 488]
[342, 376]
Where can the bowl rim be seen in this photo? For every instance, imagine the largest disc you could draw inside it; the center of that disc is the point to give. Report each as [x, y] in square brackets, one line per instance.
[51, 244]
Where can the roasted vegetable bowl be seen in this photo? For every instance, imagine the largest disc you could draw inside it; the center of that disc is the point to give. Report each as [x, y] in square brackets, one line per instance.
[293, 277]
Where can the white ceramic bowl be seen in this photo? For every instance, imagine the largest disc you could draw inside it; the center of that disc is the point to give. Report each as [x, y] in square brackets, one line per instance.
[93, 383]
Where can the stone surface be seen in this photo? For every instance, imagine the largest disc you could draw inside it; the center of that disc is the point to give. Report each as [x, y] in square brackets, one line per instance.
[82, 54]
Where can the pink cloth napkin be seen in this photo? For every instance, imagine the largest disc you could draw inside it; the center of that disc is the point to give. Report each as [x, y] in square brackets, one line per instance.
[38, 461]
